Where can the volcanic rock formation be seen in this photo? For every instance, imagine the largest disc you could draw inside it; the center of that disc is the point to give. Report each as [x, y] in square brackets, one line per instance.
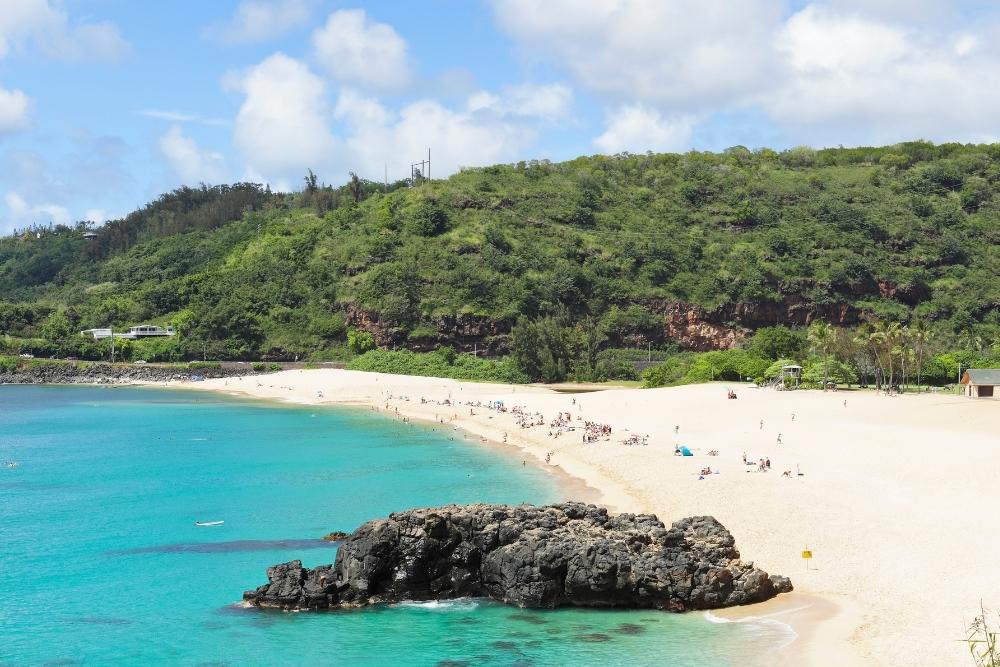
[568, 554]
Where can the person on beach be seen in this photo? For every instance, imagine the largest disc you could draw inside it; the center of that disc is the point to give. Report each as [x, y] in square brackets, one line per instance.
[761, 424]
[677, 429]
[779, 438]
[793, 416]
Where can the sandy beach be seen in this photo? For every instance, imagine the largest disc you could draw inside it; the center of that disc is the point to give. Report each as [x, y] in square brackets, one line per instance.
[895, 498]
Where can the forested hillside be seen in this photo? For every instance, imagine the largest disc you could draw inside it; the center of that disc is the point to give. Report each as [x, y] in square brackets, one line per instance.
[659, 251]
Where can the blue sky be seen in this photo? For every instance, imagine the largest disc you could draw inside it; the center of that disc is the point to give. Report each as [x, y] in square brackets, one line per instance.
[105, 104]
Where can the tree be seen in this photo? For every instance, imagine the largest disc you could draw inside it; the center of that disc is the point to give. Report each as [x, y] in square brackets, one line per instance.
[544, 349]
[312, 183]
[920, 335]
[821, 337]
[869, 337]
[355, 187]
[776, 343]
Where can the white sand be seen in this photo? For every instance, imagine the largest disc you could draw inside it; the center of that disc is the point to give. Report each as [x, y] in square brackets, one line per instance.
[898, 501]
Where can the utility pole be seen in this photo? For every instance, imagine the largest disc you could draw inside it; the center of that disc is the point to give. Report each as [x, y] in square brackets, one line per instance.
[424, 171]
[112, 345]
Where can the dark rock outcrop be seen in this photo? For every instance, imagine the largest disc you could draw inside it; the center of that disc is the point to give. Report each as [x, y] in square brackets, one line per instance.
[569, 554]
[101, 373]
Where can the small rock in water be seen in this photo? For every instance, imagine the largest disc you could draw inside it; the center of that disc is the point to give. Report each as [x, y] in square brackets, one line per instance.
[630, 629]
[534, 619]
[594, 637]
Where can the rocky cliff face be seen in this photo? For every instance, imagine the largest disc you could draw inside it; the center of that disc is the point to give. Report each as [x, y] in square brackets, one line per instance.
[567, 554]
[691, 326]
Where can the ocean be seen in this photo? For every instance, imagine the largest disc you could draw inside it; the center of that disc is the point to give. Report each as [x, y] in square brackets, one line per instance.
[101, 563]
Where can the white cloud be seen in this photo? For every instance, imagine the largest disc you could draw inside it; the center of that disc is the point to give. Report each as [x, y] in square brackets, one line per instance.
[687, 54]
[832, 72]
[177, 117]
[22, 214]
[855, 79]
[261, 20]
[637, 129]
[816, 40]
[282, 127]
[458, 138]
[355, 49]
[191, 164]
[550, 102]
[96, 215]
[13, 111]
[38, 26]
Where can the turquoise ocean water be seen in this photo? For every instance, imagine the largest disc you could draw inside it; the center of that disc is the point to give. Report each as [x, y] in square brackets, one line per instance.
[100, 563]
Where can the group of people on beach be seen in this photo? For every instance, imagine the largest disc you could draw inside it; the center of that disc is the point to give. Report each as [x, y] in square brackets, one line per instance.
[526, 419]
[564, 421]
[636, 440]
[763, 465]
[593, 431]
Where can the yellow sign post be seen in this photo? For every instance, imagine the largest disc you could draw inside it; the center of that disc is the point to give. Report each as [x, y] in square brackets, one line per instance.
[807, 556]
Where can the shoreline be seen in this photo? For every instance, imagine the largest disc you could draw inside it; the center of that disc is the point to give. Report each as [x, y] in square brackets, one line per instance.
[811, 638]
[570, 486]
[888, 496]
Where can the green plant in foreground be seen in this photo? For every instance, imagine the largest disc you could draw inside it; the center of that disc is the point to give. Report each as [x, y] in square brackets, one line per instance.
[981, 637]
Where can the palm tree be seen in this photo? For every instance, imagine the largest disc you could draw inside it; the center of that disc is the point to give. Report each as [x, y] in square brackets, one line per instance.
[921, 335]
[883, 337]
[902, 349]
[821, 336]
[890, 338]
[355, 187]
[868, 338]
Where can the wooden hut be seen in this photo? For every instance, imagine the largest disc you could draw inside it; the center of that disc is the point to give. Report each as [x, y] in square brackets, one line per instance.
[982, 382]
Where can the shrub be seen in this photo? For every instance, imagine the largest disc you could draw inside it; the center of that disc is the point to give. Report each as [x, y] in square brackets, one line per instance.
[669, 373]
[359, 341]
[205, 365]
[433, 364]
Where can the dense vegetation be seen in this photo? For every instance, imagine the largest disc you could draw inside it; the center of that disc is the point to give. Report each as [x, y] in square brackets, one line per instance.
[567, 266]
[886, 355]
[442, 363]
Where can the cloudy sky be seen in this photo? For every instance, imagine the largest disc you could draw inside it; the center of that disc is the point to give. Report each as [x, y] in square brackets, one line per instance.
[104, 104]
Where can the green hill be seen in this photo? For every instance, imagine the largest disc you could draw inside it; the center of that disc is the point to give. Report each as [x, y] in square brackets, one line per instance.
[659, 250]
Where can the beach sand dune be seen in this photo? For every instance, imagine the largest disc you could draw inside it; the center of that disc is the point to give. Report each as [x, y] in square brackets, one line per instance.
[897, 497]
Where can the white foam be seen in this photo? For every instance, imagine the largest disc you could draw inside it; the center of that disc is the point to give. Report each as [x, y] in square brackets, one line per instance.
[458, 604]
[766, 619]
